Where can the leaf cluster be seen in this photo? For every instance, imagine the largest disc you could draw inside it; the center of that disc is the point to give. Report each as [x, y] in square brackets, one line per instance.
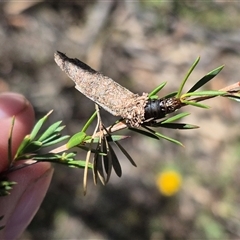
[100, 155]
[191, 97]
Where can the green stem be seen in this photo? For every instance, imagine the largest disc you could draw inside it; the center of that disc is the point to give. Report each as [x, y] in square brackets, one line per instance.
[90, 120]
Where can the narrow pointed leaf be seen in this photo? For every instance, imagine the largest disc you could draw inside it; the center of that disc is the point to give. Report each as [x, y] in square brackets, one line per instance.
[168, 138]
[100, 171]
[205, 79]
[107, 159]
[195, 104]
[55, 141]
[51, 138]
[159, 135]
[59, 129]
[115, 138]
[115, 162]
[47, 157]
[38, 125]
[76, 140]
[122, 149]
[145, 133]
[187, 76]
[157, 89]
[154, 97]
[175, 118]
[181, 126]
[173, 94]
[33, 147]
[49, 131]
[126, 154]
[53, 157]
[23, 145]
[204, 93]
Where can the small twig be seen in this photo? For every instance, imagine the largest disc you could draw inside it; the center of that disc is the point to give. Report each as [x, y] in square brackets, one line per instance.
[89, 154]
[123, 125]
[20, 166]
[233, 88]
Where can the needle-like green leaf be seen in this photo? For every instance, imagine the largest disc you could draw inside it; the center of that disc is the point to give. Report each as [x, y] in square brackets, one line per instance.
[23, 146]
[186, 77]
[169, 139]
[159, 135]
[196, 104]
[145, 133]
[49, 131]
[181, 126]
[173, 94]
[76, 140]
[38, 125]
[205, 79]
[32, 147]
[115, 138]
[55, 140]
[156, 90]
[175, 118]
[204, 93]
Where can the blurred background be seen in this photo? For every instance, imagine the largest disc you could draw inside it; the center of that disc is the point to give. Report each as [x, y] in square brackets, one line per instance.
[175, 192]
